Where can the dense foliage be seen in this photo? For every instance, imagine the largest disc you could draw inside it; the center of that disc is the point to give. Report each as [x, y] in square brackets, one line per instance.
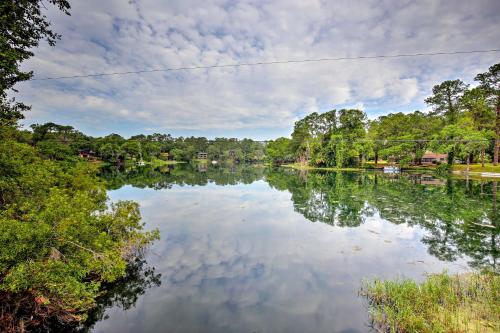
[22, 26]
[64, 142]
[60, 239]
[464, 123]
[64, 240]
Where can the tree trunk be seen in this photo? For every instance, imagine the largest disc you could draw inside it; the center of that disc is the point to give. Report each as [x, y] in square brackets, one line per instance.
[451, 157]
[497, 136]
[482, 157]
[376, 158]
[467, 175]
[308, 152]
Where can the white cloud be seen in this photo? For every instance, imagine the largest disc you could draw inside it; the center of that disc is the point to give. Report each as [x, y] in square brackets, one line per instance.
[112, 36]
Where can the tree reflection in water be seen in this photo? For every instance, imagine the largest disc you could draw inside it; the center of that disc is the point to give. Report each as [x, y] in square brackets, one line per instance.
[184, 174]
[122, 293]
[460, 216]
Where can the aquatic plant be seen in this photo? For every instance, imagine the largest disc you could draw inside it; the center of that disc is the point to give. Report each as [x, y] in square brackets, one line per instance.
[442, 303]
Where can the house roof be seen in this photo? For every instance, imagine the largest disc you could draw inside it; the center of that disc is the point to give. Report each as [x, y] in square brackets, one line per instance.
[430, 154]
[86, 151]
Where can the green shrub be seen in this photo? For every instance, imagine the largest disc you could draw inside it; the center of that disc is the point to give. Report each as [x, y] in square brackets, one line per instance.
[443, 169]
[63, 239]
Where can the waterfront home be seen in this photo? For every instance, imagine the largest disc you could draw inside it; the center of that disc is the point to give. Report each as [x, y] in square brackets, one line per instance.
[433, 158]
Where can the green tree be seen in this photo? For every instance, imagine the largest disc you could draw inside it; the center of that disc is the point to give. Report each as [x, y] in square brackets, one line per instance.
[55, 150]
[110, 152]
[445, 99]
[476, 106]
[459, 141]
[352, 129]
[490, 83]
[64, 240]
[336, 151]
[132, 148]
[315, 127]
[475, 103]
[403, 136]
[179, 154]
[279, 150]
[22, 26]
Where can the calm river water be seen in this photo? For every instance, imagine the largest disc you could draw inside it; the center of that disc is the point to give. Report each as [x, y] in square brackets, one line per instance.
[251, 249]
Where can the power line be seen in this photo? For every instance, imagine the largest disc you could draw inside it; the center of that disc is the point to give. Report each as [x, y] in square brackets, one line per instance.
[264, 63]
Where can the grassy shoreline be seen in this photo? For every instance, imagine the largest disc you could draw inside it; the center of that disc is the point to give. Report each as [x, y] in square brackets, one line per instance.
[299, 166]
[129, 163]
[158, 162]
[442, 303]
[459, 170]
[488, 167]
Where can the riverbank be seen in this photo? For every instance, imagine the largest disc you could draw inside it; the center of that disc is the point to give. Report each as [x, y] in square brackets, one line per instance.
[442, 303]
[299, 166]
[488, 167]
[155, 162]
[476, 170]
[367, 166]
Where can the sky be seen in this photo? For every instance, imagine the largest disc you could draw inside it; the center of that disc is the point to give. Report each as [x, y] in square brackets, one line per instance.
[259, 102]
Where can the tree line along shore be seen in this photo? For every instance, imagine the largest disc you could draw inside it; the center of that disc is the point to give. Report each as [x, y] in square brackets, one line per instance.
[463, 127]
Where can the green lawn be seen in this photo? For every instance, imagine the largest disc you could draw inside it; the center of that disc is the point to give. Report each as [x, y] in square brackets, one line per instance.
[488, 167]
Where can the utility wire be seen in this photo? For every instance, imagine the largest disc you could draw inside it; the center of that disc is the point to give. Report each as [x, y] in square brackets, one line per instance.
[264, 63]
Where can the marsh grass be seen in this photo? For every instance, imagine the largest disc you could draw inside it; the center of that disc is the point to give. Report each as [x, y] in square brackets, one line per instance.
[442, 303]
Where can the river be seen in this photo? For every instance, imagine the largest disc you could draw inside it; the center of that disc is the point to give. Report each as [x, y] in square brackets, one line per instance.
[255, 249]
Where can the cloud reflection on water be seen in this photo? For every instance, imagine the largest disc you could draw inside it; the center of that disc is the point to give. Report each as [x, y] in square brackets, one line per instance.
[241, 259]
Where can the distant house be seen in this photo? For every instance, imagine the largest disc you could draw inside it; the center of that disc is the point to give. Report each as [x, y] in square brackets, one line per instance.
[433, 158]
[202, 155]
[87, 153]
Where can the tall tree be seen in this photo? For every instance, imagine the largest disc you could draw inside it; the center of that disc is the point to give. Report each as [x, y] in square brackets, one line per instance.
[352, 129]
[445, 99]
[490, 83]
[22, 26]
[310, 131]
[278, 151]
[475, 104]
